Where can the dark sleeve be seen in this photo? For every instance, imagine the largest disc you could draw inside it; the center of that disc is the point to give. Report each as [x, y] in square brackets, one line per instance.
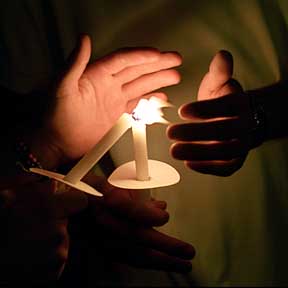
[20, 114]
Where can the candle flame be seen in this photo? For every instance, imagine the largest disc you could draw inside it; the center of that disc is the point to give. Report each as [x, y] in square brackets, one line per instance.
[149, 111]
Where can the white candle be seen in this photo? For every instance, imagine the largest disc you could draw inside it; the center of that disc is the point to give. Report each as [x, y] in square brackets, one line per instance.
[93, 156]
[140, 150]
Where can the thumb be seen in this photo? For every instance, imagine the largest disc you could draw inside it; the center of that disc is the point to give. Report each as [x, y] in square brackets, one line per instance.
[78, 60]
[220, 71]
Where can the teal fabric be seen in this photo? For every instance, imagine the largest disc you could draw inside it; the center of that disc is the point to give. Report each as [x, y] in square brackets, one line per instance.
[237, 224]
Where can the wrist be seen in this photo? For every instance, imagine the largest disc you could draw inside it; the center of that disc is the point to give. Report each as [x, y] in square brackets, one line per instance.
[273, 100]
[42, 147]
[33, 131]
[258, 131]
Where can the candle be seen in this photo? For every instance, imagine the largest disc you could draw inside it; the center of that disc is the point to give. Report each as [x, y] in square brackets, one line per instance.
[142, 173]
[140, 150]
[93, 156]
[126, 176]
[146, 112]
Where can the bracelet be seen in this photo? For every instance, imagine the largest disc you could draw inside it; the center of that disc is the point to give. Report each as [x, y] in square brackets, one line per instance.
[258, 131]
[24, 158]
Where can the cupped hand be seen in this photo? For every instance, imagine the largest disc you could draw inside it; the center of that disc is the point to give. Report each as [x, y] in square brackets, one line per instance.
[217, 136]
[123, 230]
[89, 98]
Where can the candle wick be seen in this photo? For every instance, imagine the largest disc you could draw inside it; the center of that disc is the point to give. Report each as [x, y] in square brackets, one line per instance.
[135, 116]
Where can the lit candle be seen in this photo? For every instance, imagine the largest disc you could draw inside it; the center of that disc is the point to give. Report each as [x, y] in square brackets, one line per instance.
[93, 156]
[148, 173]
[140, 150]
[126, 176]
[146, 112]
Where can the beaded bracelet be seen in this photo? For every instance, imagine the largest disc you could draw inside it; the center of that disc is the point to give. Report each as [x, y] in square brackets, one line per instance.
[24, 158]
[259, 126]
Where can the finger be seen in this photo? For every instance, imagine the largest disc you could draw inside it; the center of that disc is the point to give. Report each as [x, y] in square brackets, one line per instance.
[209, 151]
[159, 204]
[146, 258]
[164, 243]
[225, 106]
[79, 60]
[148, 237]
[145, 213]
[165, 61]
[150, 82]
[131, 253]
[212, 130]
[153, 259]
[220, 71]
[121, 201]
[131, 105]
[127, 57]
[218, 168]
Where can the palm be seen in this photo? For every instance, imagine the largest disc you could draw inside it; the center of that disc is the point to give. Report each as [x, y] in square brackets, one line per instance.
[90, 99]
[83, 125]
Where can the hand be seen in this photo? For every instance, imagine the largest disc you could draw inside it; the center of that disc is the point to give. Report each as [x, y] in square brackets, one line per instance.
[217, 138]
[122, 231]
[34, 240]
[90, 98]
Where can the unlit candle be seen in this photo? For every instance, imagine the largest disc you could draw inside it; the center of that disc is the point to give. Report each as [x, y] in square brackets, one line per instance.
[93, 156]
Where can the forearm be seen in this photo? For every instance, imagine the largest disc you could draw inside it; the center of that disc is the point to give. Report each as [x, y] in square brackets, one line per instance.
[274, 100]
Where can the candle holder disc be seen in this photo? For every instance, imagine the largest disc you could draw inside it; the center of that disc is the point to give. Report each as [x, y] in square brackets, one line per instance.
[60, 178]
[161, 175]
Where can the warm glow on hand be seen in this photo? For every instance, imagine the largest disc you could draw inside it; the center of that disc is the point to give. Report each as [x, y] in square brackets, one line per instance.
[90, 98]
